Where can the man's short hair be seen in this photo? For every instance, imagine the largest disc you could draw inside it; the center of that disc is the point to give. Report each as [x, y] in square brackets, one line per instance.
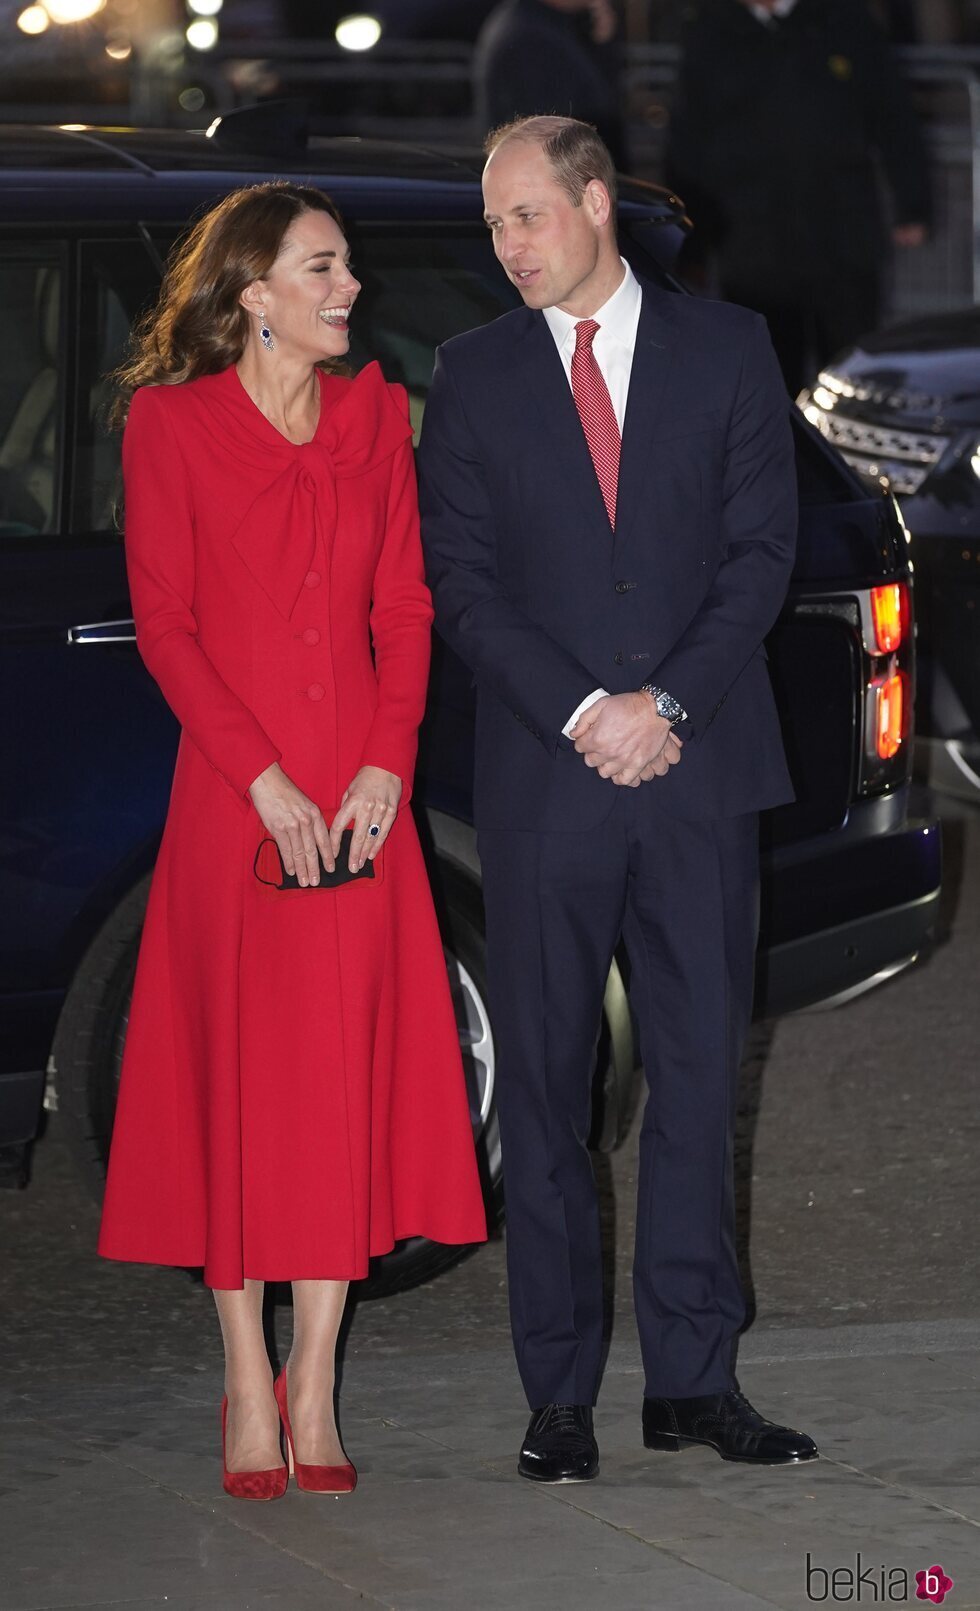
[576, 152]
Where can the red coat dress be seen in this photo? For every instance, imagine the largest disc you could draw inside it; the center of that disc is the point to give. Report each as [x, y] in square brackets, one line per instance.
[292, 1098]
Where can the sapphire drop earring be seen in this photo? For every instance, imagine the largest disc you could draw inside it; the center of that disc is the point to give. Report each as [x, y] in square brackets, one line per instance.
[265, 336]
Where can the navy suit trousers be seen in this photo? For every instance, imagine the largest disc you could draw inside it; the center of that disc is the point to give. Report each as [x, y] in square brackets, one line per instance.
[684, 897]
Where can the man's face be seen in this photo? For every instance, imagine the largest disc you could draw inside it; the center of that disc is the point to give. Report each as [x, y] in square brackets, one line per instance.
[547, 247]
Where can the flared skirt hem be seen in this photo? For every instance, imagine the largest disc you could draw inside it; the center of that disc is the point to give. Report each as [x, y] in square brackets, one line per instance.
[212, 1277]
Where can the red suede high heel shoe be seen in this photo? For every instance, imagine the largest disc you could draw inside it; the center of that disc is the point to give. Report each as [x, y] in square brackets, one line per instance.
[250, 1484]
[313, 1479]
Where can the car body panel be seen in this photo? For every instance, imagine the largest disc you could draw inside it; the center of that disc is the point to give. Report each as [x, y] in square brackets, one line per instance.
[80, 822]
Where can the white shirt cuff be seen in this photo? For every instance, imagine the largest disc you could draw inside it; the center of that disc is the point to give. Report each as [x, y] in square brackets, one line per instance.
[599, 693]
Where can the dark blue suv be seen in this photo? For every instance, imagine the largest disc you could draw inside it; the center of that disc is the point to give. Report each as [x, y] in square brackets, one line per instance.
[87, 217]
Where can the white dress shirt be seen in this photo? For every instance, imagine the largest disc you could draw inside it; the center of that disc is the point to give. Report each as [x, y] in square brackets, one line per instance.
[615, 339]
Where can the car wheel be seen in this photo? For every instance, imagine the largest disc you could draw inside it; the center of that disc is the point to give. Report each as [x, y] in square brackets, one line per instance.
[460, 908]
[91, 1033]
[88, 1043]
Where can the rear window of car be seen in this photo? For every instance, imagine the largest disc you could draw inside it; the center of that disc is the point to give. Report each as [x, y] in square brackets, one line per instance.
[32, 295]
[419, 288]
[420, 285]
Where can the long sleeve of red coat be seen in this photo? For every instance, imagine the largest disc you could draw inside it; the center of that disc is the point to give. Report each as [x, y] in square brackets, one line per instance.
[401, 628]
[160, 560]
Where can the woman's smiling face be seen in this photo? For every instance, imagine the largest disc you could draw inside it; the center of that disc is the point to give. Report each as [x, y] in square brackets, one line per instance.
[310, 290]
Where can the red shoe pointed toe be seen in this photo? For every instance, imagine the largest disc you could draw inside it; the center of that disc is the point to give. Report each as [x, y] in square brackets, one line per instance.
[312, 1479]
[269, 1484]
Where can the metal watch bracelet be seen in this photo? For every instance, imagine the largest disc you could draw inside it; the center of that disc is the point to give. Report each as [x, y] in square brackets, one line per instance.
[667, 706]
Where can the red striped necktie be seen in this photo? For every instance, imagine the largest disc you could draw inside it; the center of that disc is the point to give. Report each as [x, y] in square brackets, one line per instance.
[597, 414]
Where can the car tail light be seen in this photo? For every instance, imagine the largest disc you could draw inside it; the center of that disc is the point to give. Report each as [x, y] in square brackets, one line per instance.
[890, 616]
[892, 715]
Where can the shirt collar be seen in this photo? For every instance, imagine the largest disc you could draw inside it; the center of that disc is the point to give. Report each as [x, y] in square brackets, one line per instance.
[618, 317]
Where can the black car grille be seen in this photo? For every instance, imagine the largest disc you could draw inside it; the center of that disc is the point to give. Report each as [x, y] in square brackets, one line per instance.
[884, 453]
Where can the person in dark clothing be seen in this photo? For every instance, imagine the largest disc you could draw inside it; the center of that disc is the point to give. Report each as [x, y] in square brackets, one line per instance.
[551, 56]
[784, 111]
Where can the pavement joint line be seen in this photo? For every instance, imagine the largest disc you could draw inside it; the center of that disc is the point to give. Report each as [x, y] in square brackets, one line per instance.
[900, 1488]
[214, 1509]
[484, 1462]
[661, 1548]
[295, 1555]
[103, 1605]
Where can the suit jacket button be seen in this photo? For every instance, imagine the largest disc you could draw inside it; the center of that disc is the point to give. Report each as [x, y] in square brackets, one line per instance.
[623, 587]
[311, 579]
[618, 657]
[316, 690]
[311, 636]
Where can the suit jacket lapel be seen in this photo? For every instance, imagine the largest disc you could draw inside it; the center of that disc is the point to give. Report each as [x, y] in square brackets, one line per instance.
[653, 356]
[543, 371]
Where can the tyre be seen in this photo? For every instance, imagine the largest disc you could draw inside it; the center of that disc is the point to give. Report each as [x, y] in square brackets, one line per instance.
[459, 905]
[87, 1053]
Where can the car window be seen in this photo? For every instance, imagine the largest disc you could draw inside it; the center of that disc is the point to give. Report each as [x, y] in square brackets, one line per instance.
[117, 280]
[31, 295]
[419, 287]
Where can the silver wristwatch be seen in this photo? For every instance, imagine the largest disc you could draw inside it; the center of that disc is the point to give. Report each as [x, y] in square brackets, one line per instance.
[666, 706]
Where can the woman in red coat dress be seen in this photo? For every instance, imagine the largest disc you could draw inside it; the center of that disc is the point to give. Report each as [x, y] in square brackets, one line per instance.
[292, 1098]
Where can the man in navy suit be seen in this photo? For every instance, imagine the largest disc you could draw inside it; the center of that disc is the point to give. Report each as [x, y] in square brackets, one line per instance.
[609, 517]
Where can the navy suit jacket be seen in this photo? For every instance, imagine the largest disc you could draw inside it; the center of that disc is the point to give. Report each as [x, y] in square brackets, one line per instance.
[544, 602]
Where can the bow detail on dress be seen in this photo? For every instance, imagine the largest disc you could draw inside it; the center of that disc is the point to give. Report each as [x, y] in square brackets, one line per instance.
[360, 426]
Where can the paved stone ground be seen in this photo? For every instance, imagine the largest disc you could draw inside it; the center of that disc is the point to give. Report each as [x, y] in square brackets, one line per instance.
[858, 1202]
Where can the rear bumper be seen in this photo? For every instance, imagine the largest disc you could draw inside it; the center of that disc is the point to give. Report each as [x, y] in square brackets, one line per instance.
[848, 915]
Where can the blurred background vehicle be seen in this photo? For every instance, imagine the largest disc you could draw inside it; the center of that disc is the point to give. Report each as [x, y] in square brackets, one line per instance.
[903, 407]
[851, 876]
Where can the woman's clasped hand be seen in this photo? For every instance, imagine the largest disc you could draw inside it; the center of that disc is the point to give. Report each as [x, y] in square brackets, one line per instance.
[300, 829]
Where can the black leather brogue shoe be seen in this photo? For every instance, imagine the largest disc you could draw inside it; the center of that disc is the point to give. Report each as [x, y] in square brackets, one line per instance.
[560, 1445]
[727, 1423]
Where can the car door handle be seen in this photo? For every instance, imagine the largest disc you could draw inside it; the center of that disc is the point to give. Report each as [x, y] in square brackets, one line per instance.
[104, 632]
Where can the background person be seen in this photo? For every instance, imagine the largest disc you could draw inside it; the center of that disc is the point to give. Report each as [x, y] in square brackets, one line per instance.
[292, 1097]
[609, 571]
[551, 56]
[782, 112]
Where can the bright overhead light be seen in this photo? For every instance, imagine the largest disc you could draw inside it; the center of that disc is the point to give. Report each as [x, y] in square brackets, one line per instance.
[65, 11]
[205, 8]
[118, 48]
[358, 33]
[33, 21]
[202, 34]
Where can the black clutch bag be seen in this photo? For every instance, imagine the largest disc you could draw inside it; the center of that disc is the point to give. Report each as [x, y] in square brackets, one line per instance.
[268, 867]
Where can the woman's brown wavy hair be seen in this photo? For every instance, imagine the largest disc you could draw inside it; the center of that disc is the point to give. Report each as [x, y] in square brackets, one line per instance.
[197, 325]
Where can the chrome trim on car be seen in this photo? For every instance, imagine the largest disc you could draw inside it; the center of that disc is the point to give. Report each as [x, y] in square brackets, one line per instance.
[887, 454]
[104, 632]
